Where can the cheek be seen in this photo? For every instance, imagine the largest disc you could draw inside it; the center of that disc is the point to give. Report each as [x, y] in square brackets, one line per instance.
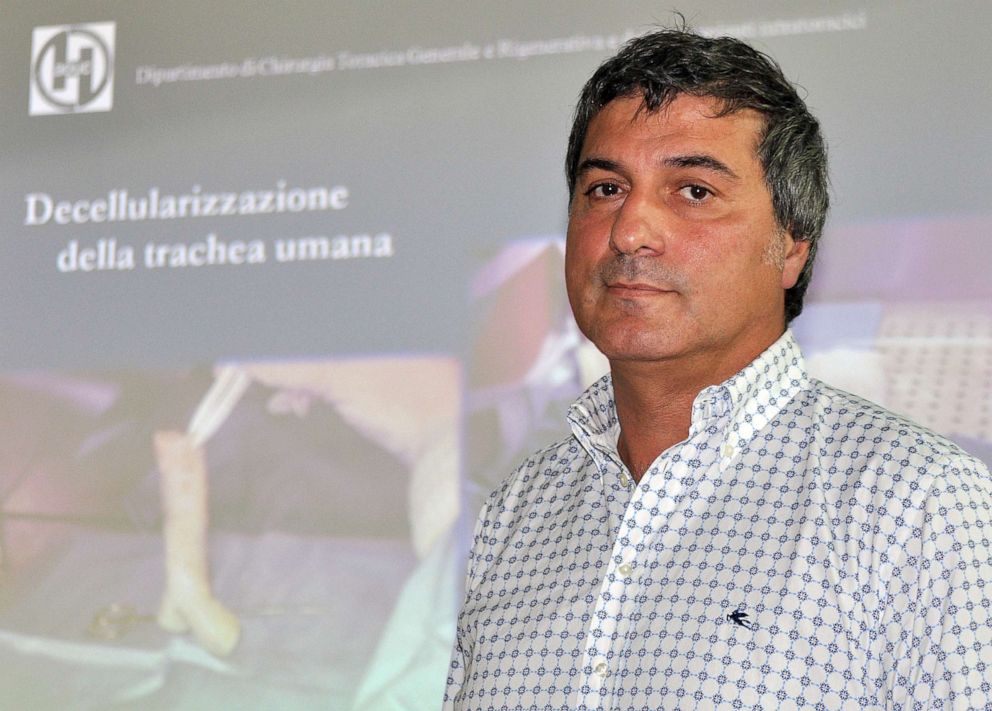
[702, 262]
[576, 276]
[582, 254]
[724, 269]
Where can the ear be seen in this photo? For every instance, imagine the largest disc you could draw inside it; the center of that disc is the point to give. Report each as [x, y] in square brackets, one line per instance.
[796, 253]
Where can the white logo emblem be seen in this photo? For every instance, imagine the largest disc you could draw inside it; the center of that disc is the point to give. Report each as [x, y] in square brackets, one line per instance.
[72, 68]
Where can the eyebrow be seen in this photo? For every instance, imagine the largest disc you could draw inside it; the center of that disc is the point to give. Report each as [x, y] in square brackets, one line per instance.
[597, 163]
[701, 161]
[694, 160]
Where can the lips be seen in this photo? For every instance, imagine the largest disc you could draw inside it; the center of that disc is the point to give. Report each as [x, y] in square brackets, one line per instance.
[635, 288]
[631, 277]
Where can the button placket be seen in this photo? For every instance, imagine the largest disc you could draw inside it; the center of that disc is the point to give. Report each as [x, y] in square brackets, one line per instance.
[609, 605]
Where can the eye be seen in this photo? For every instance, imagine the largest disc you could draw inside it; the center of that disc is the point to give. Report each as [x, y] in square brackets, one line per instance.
[603, 190]
[695, 193]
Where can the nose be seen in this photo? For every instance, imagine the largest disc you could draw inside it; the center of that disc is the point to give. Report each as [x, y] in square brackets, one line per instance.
[640, 226]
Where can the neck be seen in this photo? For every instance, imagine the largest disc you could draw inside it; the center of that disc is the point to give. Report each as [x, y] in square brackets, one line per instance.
[653, 414]
[654, 401]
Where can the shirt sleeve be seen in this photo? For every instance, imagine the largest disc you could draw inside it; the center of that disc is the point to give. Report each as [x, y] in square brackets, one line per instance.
[459, 661]
[937, 627]
[456, 676]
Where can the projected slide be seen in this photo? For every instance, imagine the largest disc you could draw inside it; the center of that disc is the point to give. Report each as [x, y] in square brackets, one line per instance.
[320, 482]
[282, 302]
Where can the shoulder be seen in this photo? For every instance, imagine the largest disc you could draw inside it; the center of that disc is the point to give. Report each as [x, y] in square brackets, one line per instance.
[552, 467]
[869, 457]
[542, 483]
[856, 427]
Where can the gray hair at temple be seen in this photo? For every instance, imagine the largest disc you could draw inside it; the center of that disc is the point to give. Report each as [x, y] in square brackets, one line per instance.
[661, 65]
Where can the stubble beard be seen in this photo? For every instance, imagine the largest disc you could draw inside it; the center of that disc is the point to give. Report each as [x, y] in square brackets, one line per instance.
[645, 270]
[601, 330]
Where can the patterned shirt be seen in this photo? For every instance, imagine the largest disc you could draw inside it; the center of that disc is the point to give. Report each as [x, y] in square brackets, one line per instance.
[802, 548]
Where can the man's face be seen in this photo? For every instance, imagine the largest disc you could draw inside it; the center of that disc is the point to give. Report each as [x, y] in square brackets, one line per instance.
[673, 249]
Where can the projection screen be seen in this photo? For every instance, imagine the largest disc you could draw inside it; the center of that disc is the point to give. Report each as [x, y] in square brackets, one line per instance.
[282, 302]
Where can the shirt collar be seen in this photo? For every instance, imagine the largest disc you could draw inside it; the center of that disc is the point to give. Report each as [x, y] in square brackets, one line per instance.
[752, 398]
[757, 394]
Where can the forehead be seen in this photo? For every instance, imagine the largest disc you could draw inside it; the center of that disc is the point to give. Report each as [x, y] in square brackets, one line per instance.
[686, 121]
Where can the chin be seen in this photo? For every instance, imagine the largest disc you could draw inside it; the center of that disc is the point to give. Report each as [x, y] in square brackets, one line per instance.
[637, 345]
[640, 331]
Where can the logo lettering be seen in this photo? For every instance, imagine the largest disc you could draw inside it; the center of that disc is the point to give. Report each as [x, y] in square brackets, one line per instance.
[72, 69]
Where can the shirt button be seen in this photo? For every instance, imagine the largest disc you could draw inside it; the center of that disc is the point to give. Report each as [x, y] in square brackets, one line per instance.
[600, 668]
[728, 450]
[625, 569]
[624, 479]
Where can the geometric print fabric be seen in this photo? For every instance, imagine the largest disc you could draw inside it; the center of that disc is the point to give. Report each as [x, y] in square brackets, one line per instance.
[802, 548]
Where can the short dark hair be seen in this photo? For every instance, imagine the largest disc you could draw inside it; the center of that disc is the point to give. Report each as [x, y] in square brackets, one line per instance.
[663, 64]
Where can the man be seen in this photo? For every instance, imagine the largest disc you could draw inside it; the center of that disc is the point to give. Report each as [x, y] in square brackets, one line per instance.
[720, 530]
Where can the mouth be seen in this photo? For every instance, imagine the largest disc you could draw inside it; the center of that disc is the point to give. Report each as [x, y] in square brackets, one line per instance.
[635, 289]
